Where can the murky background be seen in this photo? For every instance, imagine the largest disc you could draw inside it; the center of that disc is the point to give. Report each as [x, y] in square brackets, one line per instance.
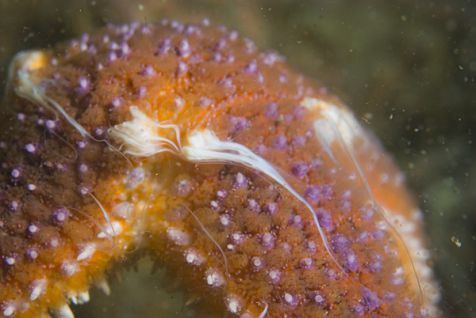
[406, 67]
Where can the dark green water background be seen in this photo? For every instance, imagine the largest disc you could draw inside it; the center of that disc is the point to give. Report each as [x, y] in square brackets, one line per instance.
[407, 68]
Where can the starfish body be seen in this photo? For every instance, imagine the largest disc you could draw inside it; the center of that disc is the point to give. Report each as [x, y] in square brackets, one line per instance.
[239, 175]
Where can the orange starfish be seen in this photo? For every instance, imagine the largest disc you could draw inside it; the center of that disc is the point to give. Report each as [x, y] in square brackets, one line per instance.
[242, 177]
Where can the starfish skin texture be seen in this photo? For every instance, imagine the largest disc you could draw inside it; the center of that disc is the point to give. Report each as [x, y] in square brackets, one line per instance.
[253, 185]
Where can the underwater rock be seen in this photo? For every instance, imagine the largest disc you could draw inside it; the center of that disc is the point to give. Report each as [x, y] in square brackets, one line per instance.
[248, 182]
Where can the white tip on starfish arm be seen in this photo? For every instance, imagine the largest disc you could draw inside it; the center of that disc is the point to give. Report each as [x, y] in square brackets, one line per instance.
[25, 62]
[345, 123]
[29, 88]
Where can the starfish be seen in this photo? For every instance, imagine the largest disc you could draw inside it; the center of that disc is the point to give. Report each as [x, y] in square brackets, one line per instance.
[249, 182]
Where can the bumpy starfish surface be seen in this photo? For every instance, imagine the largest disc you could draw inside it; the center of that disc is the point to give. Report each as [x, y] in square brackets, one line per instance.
[243, 178]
